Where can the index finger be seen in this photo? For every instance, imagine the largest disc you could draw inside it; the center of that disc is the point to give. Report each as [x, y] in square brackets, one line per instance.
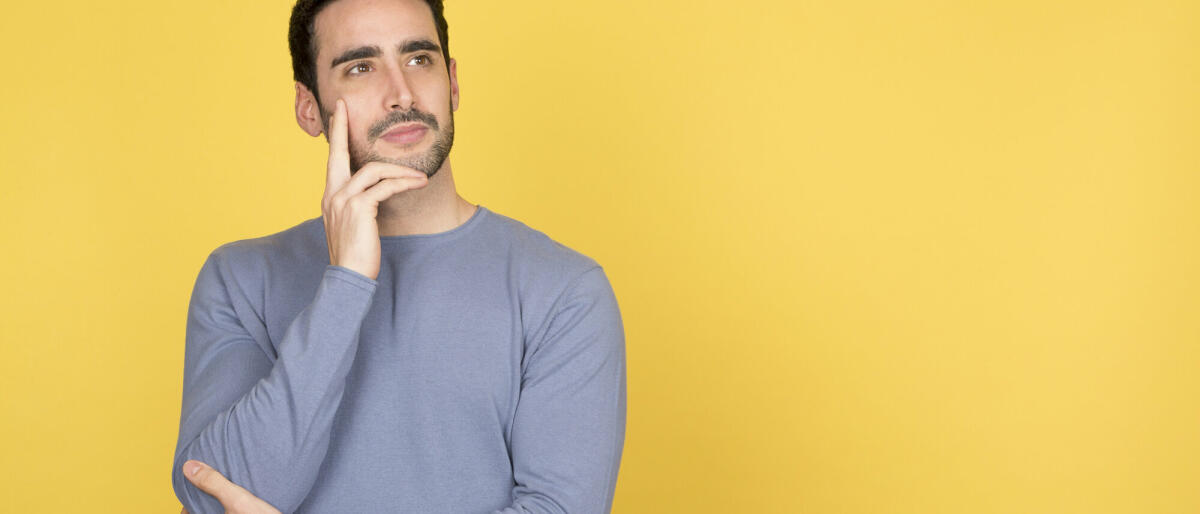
[338, 171]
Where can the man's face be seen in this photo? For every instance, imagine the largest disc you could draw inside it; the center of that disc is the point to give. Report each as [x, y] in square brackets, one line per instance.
[383, 58]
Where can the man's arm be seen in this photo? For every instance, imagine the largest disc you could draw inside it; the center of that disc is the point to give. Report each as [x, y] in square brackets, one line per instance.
[570, 425]
[264, 421]
[569, 428]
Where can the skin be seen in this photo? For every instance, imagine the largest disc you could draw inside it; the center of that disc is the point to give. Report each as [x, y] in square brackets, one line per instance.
[383, 197]
[235, 499]
[355, 214]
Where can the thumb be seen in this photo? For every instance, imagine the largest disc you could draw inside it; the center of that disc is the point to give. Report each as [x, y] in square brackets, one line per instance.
[209, 480]
[231, 496]
[191, 467]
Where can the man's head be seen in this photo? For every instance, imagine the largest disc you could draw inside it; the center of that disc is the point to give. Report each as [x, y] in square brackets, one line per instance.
[390, 61]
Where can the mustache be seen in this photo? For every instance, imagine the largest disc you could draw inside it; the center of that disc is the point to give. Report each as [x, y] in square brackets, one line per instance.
[397, 117]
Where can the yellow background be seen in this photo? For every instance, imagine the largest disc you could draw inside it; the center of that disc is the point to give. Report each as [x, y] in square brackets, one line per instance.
[872, 257]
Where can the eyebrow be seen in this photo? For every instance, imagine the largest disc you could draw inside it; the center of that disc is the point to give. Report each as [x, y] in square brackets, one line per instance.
[364, 52]
[417, 45]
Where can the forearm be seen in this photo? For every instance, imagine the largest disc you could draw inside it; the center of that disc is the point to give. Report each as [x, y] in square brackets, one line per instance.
[273, 438]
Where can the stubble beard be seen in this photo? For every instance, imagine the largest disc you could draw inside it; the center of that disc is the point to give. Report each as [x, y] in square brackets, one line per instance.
[427, 162]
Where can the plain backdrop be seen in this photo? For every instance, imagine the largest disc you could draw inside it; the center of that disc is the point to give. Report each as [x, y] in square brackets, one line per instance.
[872, 257]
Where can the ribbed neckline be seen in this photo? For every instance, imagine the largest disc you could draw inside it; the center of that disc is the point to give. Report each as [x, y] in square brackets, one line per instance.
[475, 219]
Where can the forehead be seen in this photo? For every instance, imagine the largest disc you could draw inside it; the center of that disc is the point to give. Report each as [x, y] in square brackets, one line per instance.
[347, 24]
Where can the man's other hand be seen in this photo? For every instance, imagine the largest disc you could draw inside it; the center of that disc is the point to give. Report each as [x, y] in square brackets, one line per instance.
[235, 499]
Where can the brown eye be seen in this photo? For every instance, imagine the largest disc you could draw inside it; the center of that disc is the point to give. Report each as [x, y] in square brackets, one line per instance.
[361, 67]
[423, 58]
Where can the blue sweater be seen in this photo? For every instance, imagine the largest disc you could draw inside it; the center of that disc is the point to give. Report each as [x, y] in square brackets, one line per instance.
[483, 371]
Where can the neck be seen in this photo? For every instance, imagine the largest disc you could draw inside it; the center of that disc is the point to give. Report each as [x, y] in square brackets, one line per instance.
[432, 209]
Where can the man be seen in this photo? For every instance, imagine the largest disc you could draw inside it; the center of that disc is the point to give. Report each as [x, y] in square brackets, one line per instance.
[407, 351]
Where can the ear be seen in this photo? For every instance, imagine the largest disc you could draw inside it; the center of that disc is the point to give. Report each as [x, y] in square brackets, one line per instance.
[308, 113]
[453, 84]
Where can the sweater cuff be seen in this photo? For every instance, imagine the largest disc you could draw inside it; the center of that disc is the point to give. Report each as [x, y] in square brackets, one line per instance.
[351, 277]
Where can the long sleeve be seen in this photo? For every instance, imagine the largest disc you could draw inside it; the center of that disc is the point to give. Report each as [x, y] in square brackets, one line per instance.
[569, 428]
[262, 420]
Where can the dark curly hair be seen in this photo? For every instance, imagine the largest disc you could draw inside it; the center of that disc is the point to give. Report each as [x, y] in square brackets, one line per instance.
[302, 39]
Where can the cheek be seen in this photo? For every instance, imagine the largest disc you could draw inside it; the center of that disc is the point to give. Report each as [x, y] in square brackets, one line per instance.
[358, 121]
[358, 136]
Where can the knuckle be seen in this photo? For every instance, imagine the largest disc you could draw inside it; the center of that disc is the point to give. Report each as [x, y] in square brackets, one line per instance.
[207, 479]
[360, 202]
[393, 185]
[338, 201]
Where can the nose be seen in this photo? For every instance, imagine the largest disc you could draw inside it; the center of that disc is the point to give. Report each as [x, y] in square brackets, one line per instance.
[399, 95]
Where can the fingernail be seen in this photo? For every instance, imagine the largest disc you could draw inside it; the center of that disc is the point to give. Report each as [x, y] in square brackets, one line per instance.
[191, 467]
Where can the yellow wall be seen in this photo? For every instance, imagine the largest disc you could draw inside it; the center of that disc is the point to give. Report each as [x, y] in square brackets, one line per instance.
[901, 257]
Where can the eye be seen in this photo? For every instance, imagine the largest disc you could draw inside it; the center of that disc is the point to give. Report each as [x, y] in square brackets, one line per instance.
[421, 60]
[359, 68]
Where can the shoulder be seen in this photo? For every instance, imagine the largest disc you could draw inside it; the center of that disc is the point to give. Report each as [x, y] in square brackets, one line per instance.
[550, 276]
[535, 248]
[296, 239]
[539, 259]
[250, 260]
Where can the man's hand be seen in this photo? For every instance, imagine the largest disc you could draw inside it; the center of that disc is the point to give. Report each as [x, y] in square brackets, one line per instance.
[235, 499]
[350, 205]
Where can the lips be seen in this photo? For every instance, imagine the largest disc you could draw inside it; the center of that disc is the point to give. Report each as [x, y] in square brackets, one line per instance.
[406, 134]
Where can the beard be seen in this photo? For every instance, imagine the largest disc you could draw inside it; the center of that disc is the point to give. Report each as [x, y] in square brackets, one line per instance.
[427, 162]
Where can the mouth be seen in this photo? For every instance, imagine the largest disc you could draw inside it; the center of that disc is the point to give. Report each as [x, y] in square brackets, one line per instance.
[406, 134]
